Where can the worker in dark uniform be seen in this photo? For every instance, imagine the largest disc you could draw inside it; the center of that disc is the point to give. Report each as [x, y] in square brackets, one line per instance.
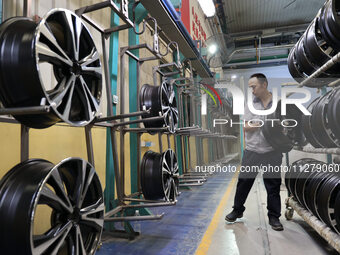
[258, 153]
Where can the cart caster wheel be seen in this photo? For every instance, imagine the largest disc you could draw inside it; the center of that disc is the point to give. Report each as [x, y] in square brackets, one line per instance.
[289, 214]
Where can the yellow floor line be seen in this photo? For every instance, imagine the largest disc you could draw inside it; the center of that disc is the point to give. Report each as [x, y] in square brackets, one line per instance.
[207, 238]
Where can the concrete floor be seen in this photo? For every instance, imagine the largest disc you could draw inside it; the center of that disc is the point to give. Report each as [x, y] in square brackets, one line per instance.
[196, 225]
[253, 235]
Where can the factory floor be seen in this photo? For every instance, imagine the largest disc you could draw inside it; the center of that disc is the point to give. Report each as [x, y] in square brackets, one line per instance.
[196, 225]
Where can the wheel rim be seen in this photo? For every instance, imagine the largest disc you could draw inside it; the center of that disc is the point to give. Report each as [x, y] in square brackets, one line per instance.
[71, 192]
[160, 99]
[63, 47]
[333, 113]
[77, 67]
[330, 23]
[320, 125]
[307, 129]
[159, 175]
[326, 201]
[170, 175]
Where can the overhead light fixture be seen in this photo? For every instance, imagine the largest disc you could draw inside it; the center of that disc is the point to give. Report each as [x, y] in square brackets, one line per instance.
[208, 7]
[234, 76]
[212, 49]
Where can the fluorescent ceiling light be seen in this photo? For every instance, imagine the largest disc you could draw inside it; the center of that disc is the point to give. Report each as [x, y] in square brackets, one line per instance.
[208, 7]
[212, 48]
[234, 76]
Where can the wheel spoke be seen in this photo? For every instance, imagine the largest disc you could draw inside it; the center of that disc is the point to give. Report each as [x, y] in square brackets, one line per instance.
[58, 89]
[69, 21]
[175, 111]
[89, 96]
[79, 185]
[167, 189]
[171, 161]
[165, 108]
[86, 213]
[45, 50]
[79, 242]
[166, 171]
[59, 188]
[86, 186]
[88, 60]
[59, 97]
[165, 164]
[67, 110]
[54, 238]
[50, 198]
[93, 70]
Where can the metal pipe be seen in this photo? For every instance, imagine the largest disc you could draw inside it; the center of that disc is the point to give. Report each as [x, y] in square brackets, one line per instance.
[24, 148]
[143, 130]
[261, 48]
[110, 113]
[25, 110]
[322, 69]
[113, 212]
[134, 218]
[149, 205]
[160, 143]
[321, 228]
[122, 116]
[136, 121]
[319, 150]
[89, 145]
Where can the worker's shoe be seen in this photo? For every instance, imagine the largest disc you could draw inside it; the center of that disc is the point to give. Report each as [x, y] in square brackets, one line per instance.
[231, 217]
[275, 223]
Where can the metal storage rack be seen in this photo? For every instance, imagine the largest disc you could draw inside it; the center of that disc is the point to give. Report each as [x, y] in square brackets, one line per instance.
[291, 204]
[117, 123]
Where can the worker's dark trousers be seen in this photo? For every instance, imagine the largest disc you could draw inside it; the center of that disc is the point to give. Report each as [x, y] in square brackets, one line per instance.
[272, 180]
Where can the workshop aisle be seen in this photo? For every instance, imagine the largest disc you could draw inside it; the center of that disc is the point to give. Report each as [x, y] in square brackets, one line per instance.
[183, 226]
[196, 225]
[253, 235]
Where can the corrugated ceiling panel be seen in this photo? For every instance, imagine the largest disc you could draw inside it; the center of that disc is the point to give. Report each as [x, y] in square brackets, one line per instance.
[248, 15]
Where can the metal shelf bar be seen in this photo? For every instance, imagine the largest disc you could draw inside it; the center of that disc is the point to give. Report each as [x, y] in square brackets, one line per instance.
[321, 228]
[25, 110]
[319, 150]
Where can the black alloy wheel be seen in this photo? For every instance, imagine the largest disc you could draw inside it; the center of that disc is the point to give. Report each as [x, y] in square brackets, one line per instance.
[293, 67]
[312, 191]
[281, 138]
[325, 201]
[55, 63]
[307, 66]
[330, 23]
[318, 51]
[307, 126]
[320, 123]
[333, 113]
[159, 175]
[47, 209]
[160, 100]
[294, 171]
[307, 172]
[337, 212]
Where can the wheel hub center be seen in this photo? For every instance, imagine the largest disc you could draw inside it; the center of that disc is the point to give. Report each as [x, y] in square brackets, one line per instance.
[76, 68]
[75, 216]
